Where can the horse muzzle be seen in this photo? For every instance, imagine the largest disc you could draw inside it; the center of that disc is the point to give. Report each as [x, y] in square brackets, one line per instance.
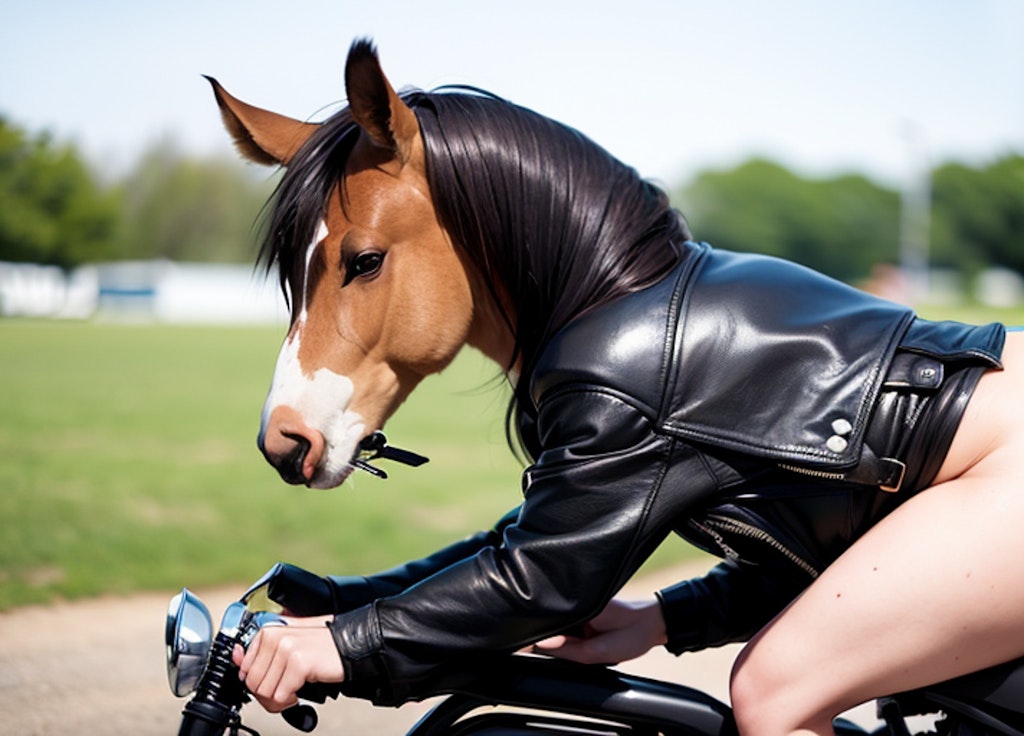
[290, 464]
[294, 449]
[299, 452]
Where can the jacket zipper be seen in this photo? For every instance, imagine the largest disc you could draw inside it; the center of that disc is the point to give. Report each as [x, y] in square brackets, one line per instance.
[756, 533]
[822, 474]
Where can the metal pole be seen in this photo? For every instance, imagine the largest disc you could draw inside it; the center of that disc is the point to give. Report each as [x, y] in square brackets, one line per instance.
[915, 216]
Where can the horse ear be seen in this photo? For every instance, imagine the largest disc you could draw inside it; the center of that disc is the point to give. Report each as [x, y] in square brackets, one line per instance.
[260, 135]
[389, 122]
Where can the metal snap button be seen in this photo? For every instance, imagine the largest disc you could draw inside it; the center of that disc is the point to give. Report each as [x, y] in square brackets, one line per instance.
[842, 427]
[836, 443]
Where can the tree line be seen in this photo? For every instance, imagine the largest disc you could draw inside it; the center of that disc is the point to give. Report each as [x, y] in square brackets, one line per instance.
[54, 209]
[846, 225]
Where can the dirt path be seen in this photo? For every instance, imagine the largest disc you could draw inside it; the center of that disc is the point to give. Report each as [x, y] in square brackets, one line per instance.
[97, 667]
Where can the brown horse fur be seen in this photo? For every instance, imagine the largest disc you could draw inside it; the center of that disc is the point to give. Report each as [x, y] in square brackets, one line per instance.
[381, 330]
[408, 225]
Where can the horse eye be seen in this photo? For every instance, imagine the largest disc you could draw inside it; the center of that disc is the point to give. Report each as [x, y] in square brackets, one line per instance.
[366, 263]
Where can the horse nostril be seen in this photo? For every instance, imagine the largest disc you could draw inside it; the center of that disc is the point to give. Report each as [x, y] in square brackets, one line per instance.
[290, 465]
[288, 444]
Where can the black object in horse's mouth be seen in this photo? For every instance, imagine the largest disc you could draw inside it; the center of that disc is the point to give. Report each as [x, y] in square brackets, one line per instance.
[376, 446]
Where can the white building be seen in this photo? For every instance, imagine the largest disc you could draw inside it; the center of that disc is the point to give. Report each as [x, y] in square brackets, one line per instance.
[161, 291]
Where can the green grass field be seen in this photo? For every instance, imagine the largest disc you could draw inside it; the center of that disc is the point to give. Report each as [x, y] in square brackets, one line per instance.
[128, 462]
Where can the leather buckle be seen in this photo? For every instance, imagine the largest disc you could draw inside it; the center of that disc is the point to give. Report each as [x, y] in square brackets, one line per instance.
[896, 470]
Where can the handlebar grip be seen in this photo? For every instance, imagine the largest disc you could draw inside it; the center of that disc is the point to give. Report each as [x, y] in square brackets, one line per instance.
[319, 692]
[304, 717]
[204, 719]
[301, 717]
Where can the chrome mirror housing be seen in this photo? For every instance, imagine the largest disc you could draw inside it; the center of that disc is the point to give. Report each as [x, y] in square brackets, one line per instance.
[188, 636]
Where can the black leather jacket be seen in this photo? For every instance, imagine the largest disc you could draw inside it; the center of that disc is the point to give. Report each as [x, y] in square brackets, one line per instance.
[732, 403]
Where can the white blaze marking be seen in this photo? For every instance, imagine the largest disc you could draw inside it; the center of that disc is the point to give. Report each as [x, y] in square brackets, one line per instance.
[321, 399]
[321, 234]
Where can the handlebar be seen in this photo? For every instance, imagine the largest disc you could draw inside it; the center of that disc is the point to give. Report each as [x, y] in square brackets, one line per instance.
[219, 694]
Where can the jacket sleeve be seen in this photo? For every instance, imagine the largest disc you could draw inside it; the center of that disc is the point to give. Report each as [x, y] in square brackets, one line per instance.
[352, 591]
[593, 511]
[303, 593]
[731, 603]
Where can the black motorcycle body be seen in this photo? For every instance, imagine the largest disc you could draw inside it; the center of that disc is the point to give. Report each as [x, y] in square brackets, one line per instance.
[524, 695]
[565, 698]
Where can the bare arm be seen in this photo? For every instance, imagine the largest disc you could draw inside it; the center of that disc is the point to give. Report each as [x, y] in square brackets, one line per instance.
[624, 630]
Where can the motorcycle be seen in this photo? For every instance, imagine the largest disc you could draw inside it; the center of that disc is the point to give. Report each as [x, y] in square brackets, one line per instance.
[538, 696]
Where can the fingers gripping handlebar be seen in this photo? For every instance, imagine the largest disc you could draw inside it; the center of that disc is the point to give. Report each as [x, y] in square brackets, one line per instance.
[219, 694]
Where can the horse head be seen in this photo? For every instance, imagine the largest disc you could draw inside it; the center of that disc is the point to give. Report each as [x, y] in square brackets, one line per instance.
[379, 295]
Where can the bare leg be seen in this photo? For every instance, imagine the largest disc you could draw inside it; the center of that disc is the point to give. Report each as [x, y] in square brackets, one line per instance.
[932, 592]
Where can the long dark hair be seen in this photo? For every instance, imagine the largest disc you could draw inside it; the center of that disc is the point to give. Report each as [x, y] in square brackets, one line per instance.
[556, 224]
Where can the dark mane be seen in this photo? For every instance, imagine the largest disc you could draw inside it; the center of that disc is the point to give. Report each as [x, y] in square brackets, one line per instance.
[300, 200]
[555, 223]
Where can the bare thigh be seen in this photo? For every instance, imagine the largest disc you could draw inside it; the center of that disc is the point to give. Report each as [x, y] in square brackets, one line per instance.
[931, 592]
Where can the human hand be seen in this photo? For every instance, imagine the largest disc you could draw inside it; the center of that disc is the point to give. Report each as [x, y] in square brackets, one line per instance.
[281, 659]
[623, 630]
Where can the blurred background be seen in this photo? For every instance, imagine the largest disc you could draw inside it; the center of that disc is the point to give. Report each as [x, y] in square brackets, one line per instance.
[881, 142]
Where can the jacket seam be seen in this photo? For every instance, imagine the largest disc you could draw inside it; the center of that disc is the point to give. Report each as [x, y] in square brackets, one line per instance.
[579, 387]
[676, 320]
[656, 488]
[709, 470]
[737, 442]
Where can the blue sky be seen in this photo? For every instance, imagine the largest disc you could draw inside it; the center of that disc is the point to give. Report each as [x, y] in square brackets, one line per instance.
[669, 87]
